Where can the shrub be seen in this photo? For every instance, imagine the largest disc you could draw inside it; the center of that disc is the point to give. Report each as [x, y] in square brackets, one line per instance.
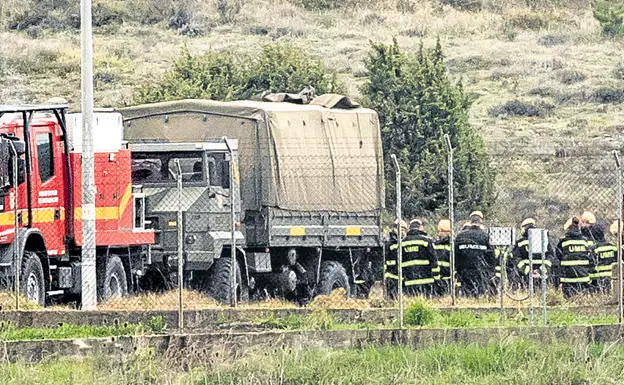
[551, 40]
[228, 10]
[224, 76]
[464, 5]
[520, 108]
[569, 77]
[618, 71]
[610, 15]
[419, 314]
[525, 19]
[417, 104]
[608, 95]
[320, 4]
[460, 319]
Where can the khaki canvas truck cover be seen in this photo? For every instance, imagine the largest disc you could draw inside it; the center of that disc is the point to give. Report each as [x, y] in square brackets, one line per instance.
[293, 157]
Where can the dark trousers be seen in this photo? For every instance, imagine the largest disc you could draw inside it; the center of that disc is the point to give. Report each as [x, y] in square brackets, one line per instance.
[572, 289]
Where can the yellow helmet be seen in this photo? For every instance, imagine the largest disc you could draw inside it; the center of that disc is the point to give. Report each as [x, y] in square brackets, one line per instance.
[613, 229]
[476, 214]
[528, 222]
[588, 217]
[444, 226]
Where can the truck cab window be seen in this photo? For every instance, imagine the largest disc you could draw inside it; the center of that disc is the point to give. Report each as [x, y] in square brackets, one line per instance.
[45, 153]
[161, 168]
[218, 170]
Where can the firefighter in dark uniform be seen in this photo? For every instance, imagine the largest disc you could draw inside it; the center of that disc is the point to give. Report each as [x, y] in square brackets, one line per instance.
[605, 256]
[418, 260]
[475, 261]
[575, 265]
[391, 273]
[520, 258]
[442, 248]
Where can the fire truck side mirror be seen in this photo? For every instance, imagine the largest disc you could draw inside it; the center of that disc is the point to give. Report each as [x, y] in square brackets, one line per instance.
[20, 146]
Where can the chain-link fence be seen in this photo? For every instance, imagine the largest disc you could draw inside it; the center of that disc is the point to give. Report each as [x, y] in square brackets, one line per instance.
[294, 216]
[495, 264]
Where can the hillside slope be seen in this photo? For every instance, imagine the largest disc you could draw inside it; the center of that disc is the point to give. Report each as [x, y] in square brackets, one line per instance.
[553, 58]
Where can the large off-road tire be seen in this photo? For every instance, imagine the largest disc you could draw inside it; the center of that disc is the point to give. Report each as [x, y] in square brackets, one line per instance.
[218, 284]
[32, 283]
[112, 283]
[333, 276]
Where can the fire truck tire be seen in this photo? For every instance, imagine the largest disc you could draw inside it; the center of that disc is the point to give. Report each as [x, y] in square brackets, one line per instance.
[219, 280]
[333, 276]
[32, 283]
[114, 283]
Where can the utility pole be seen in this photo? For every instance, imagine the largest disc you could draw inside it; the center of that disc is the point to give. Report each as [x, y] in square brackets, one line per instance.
[89, 285]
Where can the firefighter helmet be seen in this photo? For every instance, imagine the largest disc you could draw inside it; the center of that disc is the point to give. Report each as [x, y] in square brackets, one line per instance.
[477, 214]
[613, 229]
[588, 217]
[567, 225]
[528, 222]
[444, 226]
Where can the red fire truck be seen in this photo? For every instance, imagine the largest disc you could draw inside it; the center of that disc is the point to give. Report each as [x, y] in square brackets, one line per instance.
[41, 220]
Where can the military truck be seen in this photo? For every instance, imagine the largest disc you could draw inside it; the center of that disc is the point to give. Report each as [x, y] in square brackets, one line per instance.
[307, 186]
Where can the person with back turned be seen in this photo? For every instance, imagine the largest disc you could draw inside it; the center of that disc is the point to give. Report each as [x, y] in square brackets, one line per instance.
[442, 248]
[605, 257]
[520, 257]
[573, 252]
[475, 261]
[391, 273]
[419, 260]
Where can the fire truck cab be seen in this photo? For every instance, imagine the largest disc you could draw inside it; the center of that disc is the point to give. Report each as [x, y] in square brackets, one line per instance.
[41, 219]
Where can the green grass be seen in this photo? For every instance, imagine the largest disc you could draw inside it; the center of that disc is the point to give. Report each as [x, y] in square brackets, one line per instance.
[322, 320]
[510, 362]
[9, 332]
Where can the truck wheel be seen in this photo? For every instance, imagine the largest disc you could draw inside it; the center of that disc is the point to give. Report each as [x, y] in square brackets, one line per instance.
[32, 284]
[333, 276]
[219, 280]
[114, 283]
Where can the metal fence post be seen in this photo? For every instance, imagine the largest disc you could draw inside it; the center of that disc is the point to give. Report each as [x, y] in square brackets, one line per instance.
[180, 249]
[88, 270]
[232, 226]
[16, 252]
[619, 235]
[399, 237]
[543, 274]
[451, 209]
[531, 289]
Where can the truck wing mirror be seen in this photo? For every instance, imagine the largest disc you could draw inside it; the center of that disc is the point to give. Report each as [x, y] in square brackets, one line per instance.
[20, 146]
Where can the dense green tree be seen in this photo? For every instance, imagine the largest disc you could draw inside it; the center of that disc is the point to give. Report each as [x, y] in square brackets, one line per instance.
[417, 105]
[224, 76]
[610, 15]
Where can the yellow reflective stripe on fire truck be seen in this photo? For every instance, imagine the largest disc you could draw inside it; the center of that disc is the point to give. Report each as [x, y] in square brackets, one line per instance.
[416, 262]
[575, 280]
[40, 215]
[109, 212]
[579, 262]
[422, 281]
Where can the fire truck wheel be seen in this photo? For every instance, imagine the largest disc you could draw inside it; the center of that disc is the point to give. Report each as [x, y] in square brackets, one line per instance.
[114, 283]
[333, 276]
[32, 283]
[219, 280]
